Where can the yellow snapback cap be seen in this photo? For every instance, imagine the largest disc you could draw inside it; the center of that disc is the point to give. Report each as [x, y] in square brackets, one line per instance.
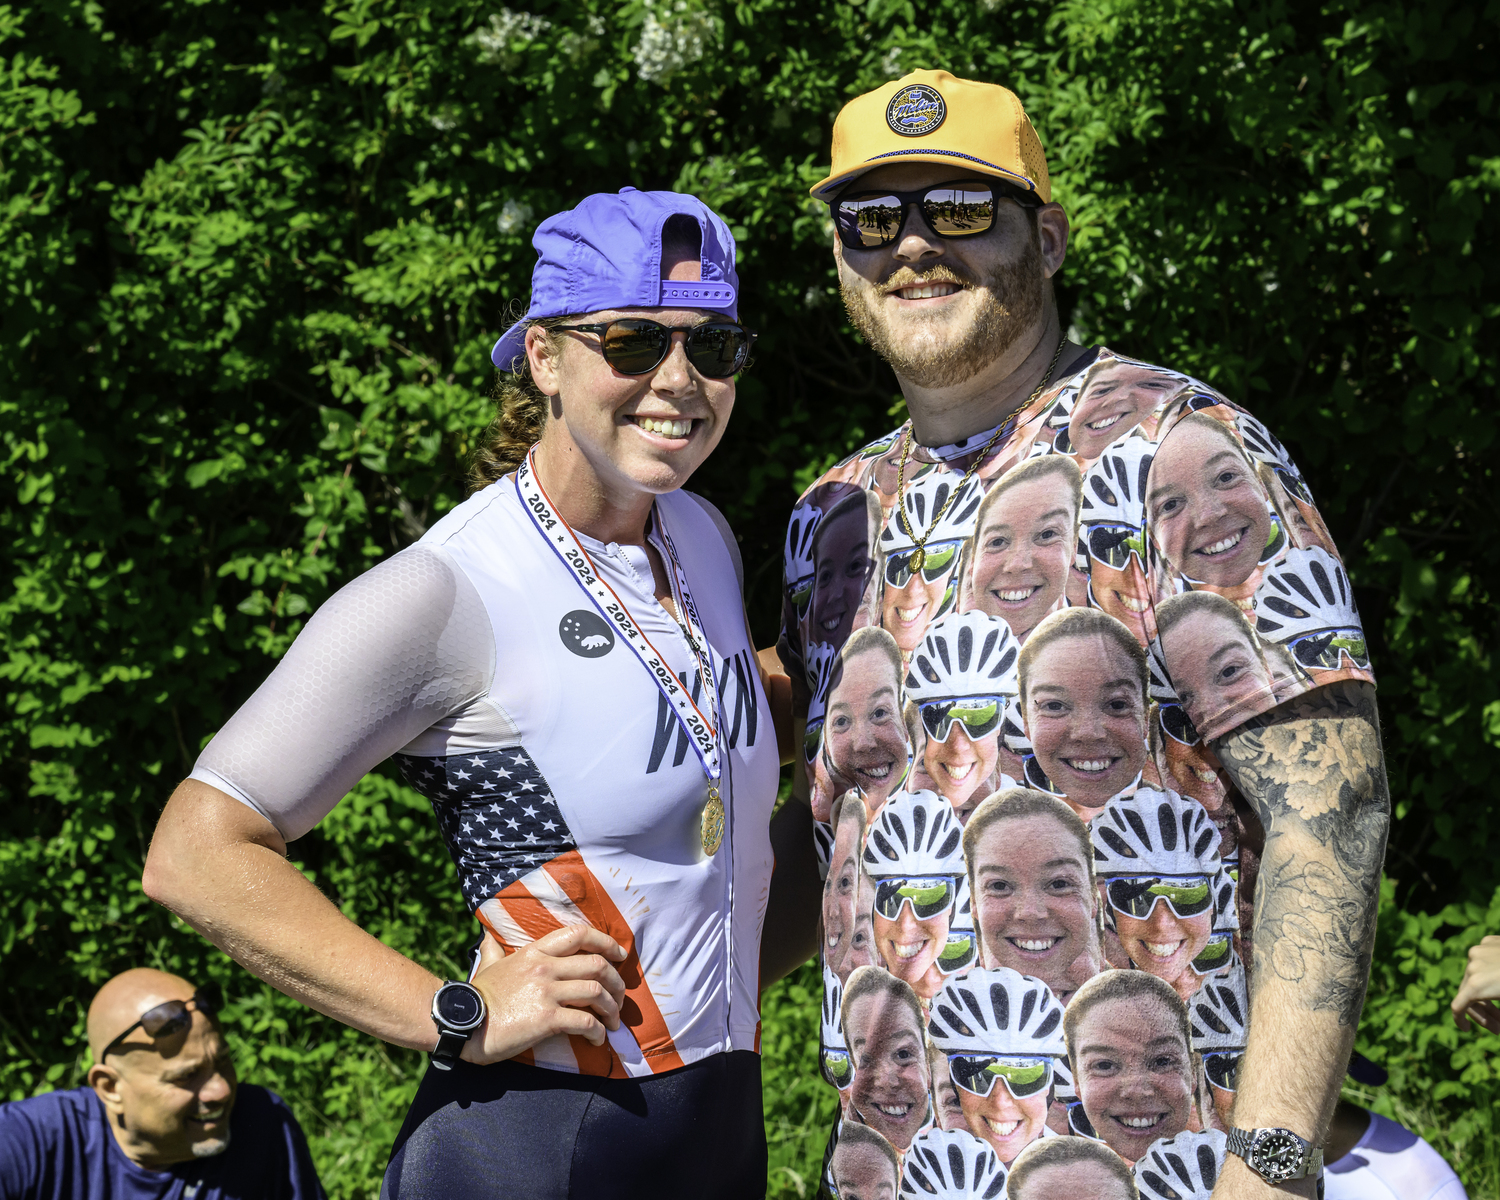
[933, 116]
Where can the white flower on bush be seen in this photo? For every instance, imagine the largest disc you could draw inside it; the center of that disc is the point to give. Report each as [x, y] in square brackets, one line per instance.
[676, 34]
[890, 65]
[514, 214]
[506, 27]
[581, 45]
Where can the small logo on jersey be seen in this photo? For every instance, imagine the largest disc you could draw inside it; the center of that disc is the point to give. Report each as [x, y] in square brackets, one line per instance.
[915, 110]
[586, 634]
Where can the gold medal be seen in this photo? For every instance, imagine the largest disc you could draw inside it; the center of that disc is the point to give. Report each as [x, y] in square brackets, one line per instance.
[918, 557]
[712, 830]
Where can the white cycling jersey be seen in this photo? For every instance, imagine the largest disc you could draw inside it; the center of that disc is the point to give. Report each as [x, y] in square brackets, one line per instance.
[564, 784]
[1390, 1162]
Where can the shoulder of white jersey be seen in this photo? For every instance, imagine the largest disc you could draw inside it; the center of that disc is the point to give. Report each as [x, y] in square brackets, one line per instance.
[721, 524]
[485, 504]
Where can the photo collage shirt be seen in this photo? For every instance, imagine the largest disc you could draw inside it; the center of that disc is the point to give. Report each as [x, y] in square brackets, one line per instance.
[1035, 917]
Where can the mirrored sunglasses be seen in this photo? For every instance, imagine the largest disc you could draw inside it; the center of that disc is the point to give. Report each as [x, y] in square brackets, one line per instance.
[928, 895]
[837, 1067]
[959, 951]
[1175, 724]
[812, 739]
[1113, 545]
[979, 715]
[938, 559]
[1325, 649]
[1024, 1075]
[1136, 896]
[952, 210]
[1223, 1068]
[636, 346]
[173, 1016]
[1215, 956]
[800, 594]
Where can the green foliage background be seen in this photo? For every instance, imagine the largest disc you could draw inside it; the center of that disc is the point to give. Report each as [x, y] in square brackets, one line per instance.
[252, 257]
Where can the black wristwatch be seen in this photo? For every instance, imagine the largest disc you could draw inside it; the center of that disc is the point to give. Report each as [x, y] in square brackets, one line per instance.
[1276, 1155]
[457, 1011]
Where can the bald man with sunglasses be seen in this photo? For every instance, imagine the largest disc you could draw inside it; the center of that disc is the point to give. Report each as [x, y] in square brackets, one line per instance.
[162, 1115]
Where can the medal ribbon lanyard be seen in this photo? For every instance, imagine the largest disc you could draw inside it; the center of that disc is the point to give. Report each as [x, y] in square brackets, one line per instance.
[559, 536]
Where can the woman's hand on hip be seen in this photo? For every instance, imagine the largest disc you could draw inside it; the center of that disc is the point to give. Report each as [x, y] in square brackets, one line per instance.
[562, 983]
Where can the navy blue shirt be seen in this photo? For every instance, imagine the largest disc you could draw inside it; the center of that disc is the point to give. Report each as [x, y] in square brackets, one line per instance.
[59, 1147]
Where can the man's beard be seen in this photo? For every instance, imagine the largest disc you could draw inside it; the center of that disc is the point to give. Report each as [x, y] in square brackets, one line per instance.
[1011, 300]
[212, 1147]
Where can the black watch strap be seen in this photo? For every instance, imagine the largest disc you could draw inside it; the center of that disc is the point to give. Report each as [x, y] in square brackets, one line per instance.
[449, 1047]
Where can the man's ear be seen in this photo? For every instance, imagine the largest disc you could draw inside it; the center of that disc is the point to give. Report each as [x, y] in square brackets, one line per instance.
[541, 357]
[106, 1081]
[1052, 232]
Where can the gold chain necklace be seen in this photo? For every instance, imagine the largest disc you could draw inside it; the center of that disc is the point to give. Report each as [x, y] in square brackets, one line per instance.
[919, 555]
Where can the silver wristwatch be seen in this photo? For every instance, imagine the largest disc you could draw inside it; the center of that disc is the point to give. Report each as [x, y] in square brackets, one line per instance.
[1276, 1155]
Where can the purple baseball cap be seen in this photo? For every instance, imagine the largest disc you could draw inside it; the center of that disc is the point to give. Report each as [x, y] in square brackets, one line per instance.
[606, 253]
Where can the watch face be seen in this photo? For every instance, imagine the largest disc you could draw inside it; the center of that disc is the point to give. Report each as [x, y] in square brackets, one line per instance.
[1277, 1156]
[458, 1007]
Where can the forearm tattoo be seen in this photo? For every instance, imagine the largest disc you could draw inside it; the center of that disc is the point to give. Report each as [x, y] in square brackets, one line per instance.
[1314, 773]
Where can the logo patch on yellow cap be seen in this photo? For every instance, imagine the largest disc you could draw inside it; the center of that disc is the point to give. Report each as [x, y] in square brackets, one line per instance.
[915, 110]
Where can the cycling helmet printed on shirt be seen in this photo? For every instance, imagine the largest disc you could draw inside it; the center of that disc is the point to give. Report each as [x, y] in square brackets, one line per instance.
[952, 1164]
[1184, 1167]
[1219, 1012]
[962, 655]
[997, 1011]
[1266, 447]
[797, 557]
[924, 498]
[1305, 603]
[1159, 833]
[915, 834]
[820, 660]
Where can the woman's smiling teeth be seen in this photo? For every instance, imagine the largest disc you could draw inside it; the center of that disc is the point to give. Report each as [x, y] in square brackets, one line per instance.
[897, 1112]
[1015, 595]
[1142, 1122]
[957, 773]
[1103, 422]
[665, 426]
[1036, 945]
[927, 291]
[1224, 545]
[1091, 766]
[905, 950]
[1162, 950]
[1003, 1129]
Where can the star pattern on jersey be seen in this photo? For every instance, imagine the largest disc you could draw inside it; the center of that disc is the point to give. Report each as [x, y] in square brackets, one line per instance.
[497, 813]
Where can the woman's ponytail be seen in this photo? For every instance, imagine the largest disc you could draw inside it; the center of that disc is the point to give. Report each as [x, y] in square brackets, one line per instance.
[518, 424]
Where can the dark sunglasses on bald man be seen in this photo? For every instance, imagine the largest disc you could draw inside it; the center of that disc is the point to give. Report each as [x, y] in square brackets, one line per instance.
[868, 220]
[173, 1016]
[636, 346]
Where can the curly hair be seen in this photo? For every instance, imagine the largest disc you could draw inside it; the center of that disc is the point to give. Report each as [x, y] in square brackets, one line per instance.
[521, 415]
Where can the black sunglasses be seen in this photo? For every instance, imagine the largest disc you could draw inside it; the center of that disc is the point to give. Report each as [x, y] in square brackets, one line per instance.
[951, 210]
[636, 346]
[174, 1016]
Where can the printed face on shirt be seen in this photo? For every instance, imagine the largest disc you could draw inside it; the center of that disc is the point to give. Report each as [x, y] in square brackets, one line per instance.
[1024, 550]
[891, 1083]
[1123, 593]
[841, 570]
[961, 767]
[1078, 1180]
[908, 610]
[1207, 509]
[1164, 944]
[1114, 401]
[1214, 663]
[864, 732]
[1086, 718]
[948, 1111]
[1007, 1124]
[1134, 1073]
[1033, 903]
[909, 947]
[841, 890]
[862, 1172]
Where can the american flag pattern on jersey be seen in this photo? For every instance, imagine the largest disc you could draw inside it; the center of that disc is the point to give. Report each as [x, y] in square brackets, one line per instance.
[497, 814]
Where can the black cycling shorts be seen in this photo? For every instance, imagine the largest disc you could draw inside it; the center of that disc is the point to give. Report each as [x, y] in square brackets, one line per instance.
[510, 1131]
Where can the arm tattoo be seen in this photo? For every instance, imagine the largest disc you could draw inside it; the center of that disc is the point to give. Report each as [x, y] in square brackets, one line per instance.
[1313, 771]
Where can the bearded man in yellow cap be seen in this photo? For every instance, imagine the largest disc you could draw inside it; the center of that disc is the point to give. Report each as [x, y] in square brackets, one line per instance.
[1223, 657]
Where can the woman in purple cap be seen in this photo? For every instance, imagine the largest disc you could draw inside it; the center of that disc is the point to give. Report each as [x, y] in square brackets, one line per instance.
[563, 667]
